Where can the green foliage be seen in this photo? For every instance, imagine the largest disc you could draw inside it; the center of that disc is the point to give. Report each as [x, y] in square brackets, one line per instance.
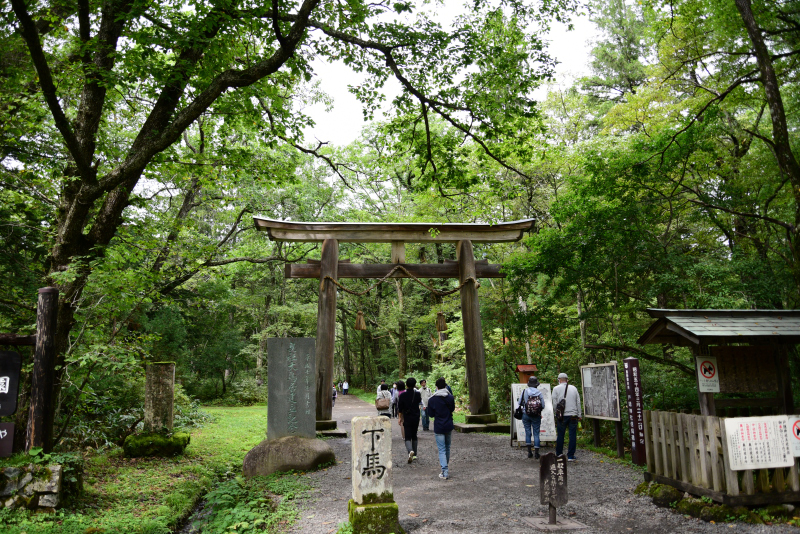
[252, 505]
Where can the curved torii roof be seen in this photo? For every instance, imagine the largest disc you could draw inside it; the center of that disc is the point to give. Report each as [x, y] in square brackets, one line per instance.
[356, 232]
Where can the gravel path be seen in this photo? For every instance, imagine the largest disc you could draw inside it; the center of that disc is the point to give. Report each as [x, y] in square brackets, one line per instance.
[492, 487]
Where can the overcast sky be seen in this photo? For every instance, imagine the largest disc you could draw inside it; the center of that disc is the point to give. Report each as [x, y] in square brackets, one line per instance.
[343, 123]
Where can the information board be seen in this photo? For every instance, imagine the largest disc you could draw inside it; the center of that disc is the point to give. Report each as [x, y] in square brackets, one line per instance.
[547, 431]
[707, 374]
[758, 442]
[600, 391]
[633, 388]
[10, 365]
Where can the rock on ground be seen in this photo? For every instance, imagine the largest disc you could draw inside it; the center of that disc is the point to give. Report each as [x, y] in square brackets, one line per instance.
[286, 454]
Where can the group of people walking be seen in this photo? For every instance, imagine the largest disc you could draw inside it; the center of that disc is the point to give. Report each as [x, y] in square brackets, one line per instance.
[412, 406]
[566, 410]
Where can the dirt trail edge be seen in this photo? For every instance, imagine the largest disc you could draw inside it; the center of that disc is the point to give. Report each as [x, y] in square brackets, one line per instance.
[492, 487]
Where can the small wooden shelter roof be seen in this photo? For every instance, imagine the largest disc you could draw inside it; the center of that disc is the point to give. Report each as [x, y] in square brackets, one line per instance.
[709, 327]
[388, 232]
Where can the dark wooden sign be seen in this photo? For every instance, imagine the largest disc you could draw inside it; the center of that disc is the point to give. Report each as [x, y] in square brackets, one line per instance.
[746, 369]
[6, 439]
[633, 387]
[553, 480]
[10, 365]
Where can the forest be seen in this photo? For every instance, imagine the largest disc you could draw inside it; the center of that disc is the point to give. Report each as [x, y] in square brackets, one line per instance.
[138, 140]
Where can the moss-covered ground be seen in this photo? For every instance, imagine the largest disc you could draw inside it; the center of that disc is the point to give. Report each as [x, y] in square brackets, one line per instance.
[154, 495]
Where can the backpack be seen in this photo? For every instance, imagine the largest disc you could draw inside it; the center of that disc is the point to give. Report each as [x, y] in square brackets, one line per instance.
[383, 403]
[561, 406]
[533, 406]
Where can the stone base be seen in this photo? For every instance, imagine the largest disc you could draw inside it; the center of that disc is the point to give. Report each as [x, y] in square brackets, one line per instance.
[329, 424]
[332, 433]
[378, 518]
[562, 523]
[155, 444]
[480, 419]
[287, 454]
[504, 428]
[466, 429]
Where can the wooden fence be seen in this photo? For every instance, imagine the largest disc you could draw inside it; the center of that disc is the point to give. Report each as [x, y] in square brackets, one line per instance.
[690, 452]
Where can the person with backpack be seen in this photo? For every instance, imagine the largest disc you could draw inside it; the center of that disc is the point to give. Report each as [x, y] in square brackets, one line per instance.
[384, 401]
[567, 411]
[441, 406]
[408, 409]
[334, 397]
[532, 403]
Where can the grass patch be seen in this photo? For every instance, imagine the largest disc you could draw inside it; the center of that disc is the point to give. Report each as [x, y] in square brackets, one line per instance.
[152, 495]
[366, 396]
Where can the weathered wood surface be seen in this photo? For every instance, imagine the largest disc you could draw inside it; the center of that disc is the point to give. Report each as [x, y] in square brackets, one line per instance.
[42, 406]
[17, 340]
[690, 452]
[473, 334]
[388, 232]
[326, 328]
[379, 270]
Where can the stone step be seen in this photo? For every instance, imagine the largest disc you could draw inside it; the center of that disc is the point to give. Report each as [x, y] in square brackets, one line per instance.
[465, 428]
[498, 427]
[335, 433]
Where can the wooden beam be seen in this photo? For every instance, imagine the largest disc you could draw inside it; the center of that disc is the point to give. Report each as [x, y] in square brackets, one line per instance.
[388, 232]
[326, 328]
[477, 380]
[398, 252]
[17, 340]
[378, 270]
[42, 407]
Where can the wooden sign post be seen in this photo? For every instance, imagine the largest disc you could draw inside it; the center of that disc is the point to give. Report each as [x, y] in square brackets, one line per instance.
[553, 483]
[10, 365]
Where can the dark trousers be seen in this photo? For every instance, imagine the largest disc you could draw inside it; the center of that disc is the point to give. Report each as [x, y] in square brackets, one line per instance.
[561, 429]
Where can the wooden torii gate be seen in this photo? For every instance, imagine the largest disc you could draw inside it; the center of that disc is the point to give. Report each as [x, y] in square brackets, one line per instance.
[466, 269]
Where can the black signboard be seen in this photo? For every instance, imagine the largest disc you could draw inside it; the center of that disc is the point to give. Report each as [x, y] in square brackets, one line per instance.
[6, 439]
[633, 386]
[10, 364]
[553, 479]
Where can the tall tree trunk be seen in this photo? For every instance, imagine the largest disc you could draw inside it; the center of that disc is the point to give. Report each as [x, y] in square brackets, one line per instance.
[781, 144]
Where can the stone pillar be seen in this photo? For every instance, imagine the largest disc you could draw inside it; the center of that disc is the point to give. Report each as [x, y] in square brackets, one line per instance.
[159, 396]
[326, 327]
[477, 381]
[291, 387]
[372, 509]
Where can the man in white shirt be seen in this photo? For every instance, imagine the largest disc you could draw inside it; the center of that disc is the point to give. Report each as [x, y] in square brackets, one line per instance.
[345, 387]
[425, 393]
[572, 414]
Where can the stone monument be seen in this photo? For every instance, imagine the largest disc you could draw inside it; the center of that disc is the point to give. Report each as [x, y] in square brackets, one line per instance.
[157, 438]
[372, 509]
[159, 396]
[291, 412]
[292, 401]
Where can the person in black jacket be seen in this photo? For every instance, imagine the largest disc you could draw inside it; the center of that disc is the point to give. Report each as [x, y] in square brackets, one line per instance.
[441, 406]
[408, 408]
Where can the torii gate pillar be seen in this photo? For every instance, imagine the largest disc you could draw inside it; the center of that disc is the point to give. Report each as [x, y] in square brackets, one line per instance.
[477, 381]
[326, 329]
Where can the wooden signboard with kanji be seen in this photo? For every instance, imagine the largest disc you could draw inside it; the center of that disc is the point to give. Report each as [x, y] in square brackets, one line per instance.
[746, 369]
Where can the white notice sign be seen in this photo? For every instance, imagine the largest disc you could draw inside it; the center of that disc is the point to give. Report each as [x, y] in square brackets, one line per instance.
[707, 374]
[794, 434]
[547, 432]
[759, 442]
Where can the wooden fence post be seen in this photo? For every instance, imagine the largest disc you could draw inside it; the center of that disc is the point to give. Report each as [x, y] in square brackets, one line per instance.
[42, 409]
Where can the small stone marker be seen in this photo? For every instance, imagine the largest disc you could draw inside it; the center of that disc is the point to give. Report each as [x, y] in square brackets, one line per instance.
[372, 509]
[291, 381]
[159, 396]
[10, 364]
[553, 492]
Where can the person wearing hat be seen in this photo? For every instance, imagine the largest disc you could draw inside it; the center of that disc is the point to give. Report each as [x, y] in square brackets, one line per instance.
[532, 414]
[572, 414]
